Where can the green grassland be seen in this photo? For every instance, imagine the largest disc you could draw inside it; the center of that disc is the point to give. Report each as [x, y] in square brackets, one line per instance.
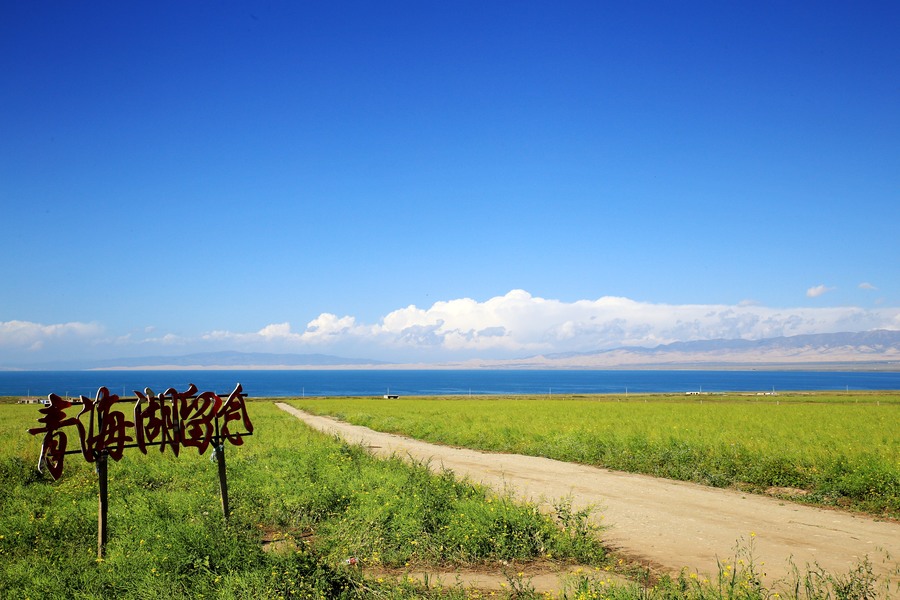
[836, 449]
[321, 500]
[302, 504]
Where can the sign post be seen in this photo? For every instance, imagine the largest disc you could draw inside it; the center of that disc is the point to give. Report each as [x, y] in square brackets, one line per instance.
[223, 481]
[103, 508]
[172, 420]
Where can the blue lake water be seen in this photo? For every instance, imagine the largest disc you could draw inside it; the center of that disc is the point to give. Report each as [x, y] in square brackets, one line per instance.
[440, 382]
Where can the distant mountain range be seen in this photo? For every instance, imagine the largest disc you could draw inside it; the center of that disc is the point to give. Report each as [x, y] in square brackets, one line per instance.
[879, 349]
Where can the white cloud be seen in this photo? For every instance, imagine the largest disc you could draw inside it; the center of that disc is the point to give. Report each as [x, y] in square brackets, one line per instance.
[327, 327]
[867, 286]
[512, 325]
[519, 324]
[33, 336]
[815, 292]
[323, 329]
[276, 330]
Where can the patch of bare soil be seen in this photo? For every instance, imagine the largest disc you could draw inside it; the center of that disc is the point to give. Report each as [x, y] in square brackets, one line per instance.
[669, 525]
[787, 492]
[539, 576]
[278, 542]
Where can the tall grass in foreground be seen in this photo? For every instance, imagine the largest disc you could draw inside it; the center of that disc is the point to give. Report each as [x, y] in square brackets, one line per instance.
[322, 500]
[841, 452]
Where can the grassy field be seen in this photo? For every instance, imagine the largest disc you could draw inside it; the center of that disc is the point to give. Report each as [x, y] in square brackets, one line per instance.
[302, 504]
[833, 449]
[319, 500]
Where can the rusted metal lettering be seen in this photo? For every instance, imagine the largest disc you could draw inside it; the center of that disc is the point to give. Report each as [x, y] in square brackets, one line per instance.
[172, 420]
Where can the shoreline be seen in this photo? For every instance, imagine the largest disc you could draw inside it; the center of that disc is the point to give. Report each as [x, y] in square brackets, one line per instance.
[886, 367]
[891, 366]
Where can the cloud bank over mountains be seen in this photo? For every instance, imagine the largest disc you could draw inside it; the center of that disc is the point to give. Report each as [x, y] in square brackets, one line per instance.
[514, 325]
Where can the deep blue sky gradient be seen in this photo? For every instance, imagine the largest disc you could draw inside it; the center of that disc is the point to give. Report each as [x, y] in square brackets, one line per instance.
[201, 166]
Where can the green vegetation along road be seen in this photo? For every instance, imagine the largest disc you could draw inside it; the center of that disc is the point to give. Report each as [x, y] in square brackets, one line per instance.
[669, 524]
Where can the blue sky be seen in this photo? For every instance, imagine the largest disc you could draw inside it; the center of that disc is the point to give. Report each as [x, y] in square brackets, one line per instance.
[421, 181]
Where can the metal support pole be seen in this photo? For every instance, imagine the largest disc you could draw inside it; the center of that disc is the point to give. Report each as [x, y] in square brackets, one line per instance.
[103, 507]
[223, 481]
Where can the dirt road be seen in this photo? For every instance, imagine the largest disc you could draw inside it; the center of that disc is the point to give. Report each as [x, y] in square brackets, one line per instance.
[671, 524]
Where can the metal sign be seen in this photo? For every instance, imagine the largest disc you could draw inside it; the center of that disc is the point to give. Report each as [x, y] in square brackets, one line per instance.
[171, 420]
